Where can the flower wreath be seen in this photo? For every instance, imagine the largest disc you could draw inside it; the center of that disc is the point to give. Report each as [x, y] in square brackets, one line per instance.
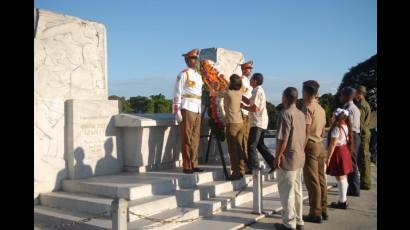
[215, 83]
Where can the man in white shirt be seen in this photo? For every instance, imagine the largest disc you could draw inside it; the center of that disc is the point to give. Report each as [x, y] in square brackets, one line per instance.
[346, 97]
[187, 107]
[259, 123]
[247, 92]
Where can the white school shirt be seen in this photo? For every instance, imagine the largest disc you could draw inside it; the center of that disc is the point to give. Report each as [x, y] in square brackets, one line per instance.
[340, 135]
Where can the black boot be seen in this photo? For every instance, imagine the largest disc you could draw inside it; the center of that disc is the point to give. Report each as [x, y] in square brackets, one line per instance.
[187, 171]
[197, 170]
[339, 205]
[325, 216]
[312, 219]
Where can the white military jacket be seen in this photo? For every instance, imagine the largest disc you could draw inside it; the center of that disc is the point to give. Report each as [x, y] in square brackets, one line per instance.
[188, 91]
[246, 90]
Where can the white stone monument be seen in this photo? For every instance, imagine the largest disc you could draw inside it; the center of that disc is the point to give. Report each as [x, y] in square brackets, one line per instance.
[78, 133]
[227, 62]
[70, 78]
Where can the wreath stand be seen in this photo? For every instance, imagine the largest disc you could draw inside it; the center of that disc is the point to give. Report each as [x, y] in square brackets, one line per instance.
[213, 136]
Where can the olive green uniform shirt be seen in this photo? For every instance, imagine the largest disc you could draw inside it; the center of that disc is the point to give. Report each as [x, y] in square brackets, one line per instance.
[365, 112]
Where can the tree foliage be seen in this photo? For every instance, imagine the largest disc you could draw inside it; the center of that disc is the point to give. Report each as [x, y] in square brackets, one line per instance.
[364, 73]
[125, 105]
[327, 101]
[272, 114]
[140, 104]
[158, 104]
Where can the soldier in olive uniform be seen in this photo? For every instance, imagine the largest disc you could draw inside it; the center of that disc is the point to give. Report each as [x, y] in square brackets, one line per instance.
[364, 153]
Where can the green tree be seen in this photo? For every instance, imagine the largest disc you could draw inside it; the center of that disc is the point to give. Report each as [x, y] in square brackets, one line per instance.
[272, 114]
[125, 105]
[327, 101]
[364, 73]
[158, 104]
[139, 104]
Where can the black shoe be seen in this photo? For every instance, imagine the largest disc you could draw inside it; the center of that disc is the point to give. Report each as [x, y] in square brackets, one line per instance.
[197, 170]
[312, 219]
[325, 216]
[282, 227]
[188, 171]
[299, 227]
[248, 172]
[339, 205]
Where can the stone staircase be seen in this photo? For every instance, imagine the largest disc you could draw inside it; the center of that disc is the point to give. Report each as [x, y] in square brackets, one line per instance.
[164, 194]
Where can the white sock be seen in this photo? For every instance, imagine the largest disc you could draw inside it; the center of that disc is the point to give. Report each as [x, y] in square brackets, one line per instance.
[342, 184]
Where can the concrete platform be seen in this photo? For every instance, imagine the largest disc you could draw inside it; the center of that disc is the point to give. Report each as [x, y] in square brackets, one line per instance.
[361, 213]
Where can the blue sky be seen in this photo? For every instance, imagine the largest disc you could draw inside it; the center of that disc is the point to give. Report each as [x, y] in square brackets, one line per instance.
[290, 41]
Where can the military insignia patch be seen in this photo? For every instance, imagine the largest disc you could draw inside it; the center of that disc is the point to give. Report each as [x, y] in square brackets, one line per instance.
[190, 83]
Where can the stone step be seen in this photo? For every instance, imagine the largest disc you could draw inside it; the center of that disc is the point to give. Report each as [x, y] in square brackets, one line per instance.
[177, 214]
[211, 189]
[240, 214]
[76, 202]
[207, 207]
[151, 205]
[233, 199]
[187, 197]
[127, 186]
[235, 217]
[93, 205]
[214, 188]
[133, 186]
[183, 180]
[227, 200]
[52, 218]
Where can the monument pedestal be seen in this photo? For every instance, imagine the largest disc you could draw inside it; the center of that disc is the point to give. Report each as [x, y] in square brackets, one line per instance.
[92, 141]
[151, 141]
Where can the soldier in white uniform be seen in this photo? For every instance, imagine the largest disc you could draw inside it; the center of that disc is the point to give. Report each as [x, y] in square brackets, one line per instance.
[187, 107]
[247, 92]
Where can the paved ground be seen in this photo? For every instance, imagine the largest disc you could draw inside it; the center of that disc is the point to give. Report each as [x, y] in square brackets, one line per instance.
[360, 215]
